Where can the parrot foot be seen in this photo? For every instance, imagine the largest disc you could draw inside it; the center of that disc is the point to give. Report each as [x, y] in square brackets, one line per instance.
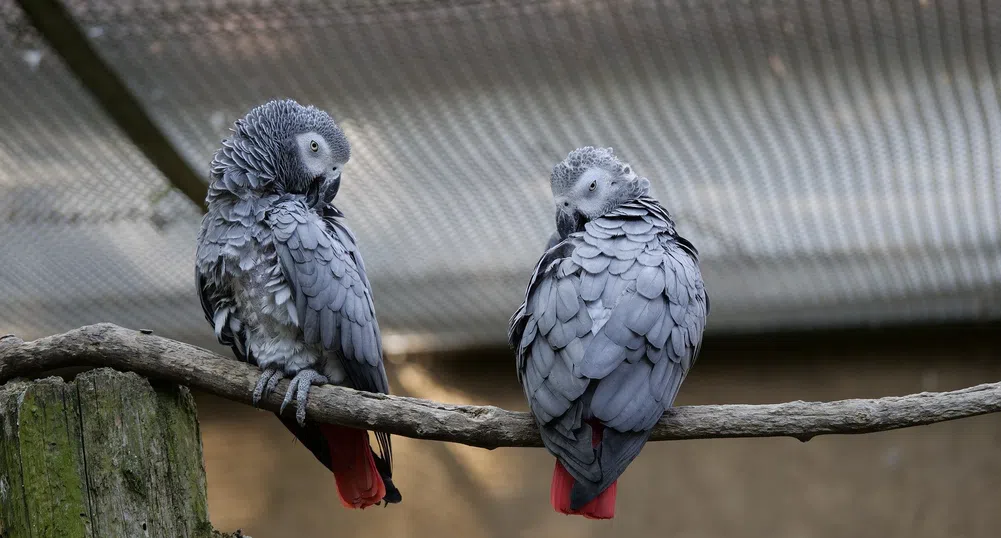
[266, 383]
[299, 387]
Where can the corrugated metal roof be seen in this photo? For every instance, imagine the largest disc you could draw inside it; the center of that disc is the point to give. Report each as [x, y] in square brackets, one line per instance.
[835, 162]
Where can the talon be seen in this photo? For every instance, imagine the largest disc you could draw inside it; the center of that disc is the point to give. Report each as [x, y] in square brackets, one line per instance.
[288, 396]
[273, 382]
[301, 396]
[299, 387]
[266, 384]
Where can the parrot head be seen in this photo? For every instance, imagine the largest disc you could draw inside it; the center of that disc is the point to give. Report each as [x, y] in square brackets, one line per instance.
[282, 147]
[589, 183]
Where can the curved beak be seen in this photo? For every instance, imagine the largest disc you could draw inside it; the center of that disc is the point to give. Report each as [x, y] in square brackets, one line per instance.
[330, 188]
[569, 222]
[313, 192]
[322, 190]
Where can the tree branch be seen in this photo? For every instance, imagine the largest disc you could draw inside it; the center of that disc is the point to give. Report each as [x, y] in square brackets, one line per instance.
[489, 427]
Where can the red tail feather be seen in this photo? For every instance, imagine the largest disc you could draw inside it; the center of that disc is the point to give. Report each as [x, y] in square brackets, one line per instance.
[601, 507]
[358, 482]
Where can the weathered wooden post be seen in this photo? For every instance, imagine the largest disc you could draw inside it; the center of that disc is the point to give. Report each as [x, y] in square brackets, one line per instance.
[105, 456]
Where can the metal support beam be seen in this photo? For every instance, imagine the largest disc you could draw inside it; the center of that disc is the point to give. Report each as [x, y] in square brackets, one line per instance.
[63, 34]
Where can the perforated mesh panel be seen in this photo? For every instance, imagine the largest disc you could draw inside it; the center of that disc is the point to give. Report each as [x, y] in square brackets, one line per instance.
[835, 162]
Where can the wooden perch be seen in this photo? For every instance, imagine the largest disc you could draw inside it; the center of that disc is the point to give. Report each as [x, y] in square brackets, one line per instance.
[481, 426]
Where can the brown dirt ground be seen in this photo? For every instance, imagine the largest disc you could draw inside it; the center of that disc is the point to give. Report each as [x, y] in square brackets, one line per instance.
[934, 481]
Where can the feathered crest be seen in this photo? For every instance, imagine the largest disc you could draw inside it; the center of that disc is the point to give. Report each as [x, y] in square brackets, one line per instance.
[260, 150]
[565, 173]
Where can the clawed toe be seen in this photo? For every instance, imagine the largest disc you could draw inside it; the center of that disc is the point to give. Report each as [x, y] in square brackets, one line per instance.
[266, 384]
[298, 388]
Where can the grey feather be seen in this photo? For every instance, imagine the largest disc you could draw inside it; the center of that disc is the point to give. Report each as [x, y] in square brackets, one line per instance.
[360, 345]
[549, 400]
[286, 253]
[595, 265]
[650, 282]
[547, 319]
[575, 453]
[637, 226]
[632, 211]
[528, 336]
[585, 251]
[608, 223]
[569, 423]
[644, 313]
[630, 270]
[617, 326]
[617, 266]
[614, 289]
[618, 388]
[601, 357]
[634, 416]
[583, 322]
[534, 378]
[328, 324]
[618, 450]
[543, 356]
[563, 382]
[567, 299]
[660, 377]
[571, 353]
[591, 285]
[672, 386]
[658, 334]
[561, 335]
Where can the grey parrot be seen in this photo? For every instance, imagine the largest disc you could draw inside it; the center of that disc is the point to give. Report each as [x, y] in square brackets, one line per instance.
[611, 324]
[282, 282]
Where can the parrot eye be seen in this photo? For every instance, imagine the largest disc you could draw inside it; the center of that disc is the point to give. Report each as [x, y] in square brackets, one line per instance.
[594, 185]
[314, 146]
[626, 170]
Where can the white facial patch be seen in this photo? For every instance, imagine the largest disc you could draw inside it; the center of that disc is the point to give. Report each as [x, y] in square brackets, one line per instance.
[591, 202]
[592, 174]
[317, 162]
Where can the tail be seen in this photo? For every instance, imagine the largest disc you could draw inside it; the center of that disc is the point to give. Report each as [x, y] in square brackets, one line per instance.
[365, 476]
[359, 483]
[601, 507]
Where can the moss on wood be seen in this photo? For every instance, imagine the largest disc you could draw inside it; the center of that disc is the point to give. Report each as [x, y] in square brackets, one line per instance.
[106, 455]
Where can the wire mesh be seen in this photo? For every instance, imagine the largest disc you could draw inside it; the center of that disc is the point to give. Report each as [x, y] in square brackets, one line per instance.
[835, 162]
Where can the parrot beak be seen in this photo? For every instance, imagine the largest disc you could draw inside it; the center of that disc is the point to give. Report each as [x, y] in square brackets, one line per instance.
[332, 185]
[568, 223]
[313, 193]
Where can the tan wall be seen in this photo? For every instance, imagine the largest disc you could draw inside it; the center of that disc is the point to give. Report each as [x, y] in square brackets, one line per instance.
[935, 481]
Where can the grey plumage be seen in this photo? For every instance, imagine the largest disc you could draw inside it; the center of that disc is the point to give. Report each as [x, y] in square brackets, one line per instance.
[279, 274]
[612, 319]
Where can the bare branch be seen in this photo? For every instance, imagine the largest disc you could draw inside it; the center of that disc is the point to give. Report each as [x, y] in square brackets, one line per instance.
[481, 426]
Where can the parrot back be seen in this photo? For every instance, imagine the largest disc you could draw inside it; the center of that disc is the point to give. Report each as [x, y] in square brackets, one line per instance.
[611, 323]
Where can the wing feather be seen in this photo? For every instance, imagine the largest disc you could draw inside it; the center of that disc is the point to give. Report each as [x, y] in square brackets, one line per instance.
[333, 298]
[626, 317]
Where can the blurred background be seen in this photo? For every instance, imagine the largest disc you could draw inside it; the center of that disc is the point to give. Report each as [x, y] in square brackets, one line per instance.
[836, 162]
